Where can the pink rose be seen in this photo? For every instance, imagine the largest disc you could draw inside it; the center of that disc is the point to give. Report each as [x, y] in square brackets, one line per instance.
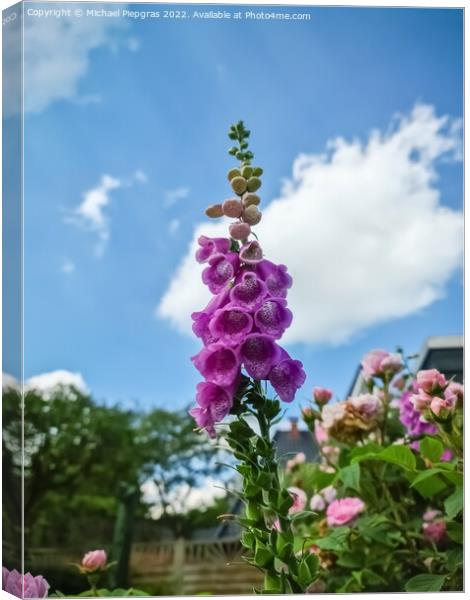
[34, 586]
[431, 381]
[300, 499]
[456, 389]
[94, 560]
[322, 395]
[377, 363]
[399, 383]
[344, 511]
[366, 404]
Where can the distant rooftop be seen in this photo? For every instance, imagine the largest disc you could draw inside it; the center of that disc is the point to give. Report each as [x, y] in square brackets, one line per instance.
[295, 440]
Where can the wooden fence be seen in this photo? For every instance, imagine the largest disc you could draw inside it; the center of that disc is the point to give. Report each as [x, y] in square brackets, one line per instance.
[178, 567]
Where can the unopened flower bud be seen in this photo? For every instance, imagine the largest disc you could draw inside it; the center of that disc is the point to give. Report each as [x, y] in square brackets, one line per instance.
[257, 172]
[247, 171]
[239, 185]
[239, 231]
[251, 253]
[251, 200]
[233, 173]
[232, 208]
[214, 211]
[251, 215]
[253, 184]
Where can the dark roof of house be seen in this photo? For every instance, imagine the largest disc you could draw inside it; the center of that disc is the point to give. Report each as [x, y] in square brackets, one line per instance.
[290, 443]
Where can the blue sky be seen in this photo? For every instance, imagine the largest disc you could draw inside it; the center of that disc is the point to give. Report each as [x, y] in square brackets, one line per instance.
[155, 97]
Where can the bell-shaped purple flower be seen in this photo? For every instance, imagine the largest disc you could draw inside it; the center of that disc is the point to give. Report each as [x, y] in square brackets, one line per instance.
[218, 364]
[251, 253]
[250, 292]
[209, 247]
[286, 378]
[273, 317]
[202, 318]
[276, 278]
[214, 403]
[231, 324]
[222, 268]
[259, 353]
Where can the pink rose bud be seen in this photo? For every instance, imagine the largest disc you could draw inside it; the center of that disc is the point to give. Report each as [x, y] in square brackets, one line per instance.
[435, 531]
[300, 499]
[431, 514]
[232, 208]
[456, 389]
[329, 493]
[420, 401]
[322, 395]
[239, 231]
[431, 381]
[442, 407]
[94, 560]
[317, 503]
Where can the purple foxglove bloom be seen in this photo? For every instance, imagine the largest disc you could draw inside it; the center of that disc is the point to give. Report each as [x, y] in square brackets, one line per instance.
[208, 247]
[276, 278]
[34, 587]
[249, 293]
[214, 402]
[273, 317]
[202, 318]
[412, 419]
[251, 253]
[231, 324]
[201, 327]
[259, 353]
[286, 378]
[222, 268]
[218, 363]
[203, 419]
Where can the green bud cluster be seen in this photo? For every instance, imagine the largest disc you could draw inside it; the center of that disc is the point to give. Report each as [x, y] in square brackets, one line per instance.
[244, 180]
[268, 548]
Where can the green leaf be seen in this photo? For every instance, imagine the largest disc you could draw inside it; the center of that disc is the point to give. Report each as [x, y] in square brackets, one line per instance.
[454, 503]
[455, 532]
[336, 541]
[351, 476]
[399, 455]
[454, 558]
[431, 448]
[426, 582]
[423, 475]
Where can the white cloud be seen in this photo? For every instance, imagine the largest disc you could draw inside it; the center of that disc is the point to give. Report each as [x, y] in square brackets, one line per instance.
[57, 56]
[67, 267]
[173, 226]
[173, 196]
[48, 382]
[90, 212]
[140, 176]
[184, 497]
[361, 229]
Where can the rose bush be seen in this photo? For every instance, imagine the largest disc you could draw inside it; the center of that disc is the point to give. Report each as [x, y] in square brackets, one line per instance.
[381, 511]
[393, 457]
